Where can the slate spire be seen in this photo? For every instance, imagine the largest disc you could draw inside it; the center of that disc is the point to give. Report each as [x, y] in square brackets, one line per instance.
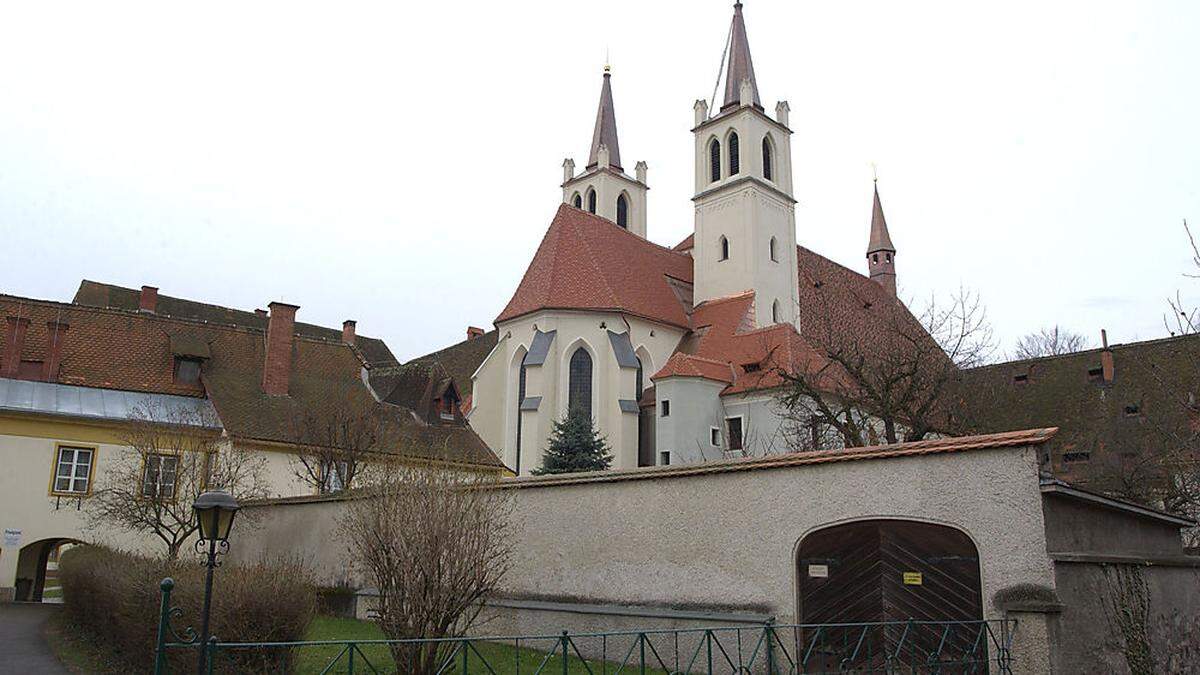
[880, 239]
[740, 67]
[606, 128]
[881, 253]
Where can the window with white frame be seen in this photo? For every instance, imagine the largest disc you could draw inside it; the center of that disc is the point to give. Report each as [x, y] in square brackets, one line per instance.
[158, 476]
[734, 425]
[73, 470]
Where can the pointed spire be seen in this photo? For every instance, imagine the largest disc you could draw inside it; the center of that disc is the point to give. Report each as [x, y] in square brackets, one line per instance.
[880, 239]
[740, 66]
[605, 133]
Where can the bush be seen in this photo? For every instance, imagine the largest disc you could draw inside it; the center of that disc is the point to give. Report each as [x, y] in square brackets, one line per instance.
[115, 597]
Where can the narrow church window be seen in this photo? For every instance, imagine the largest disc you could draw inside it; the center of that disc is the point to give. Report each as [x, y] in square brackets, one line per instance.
[591, 201]
[520, 399]
[734, 160]
[714, 160]
[664, 458]
[578, 202]
[666, 408]
[579, 388]
[637, 387]
[724, 244]
[622, 211]
[774, 256]
[775, 312]
[734, 425]
[766, 158]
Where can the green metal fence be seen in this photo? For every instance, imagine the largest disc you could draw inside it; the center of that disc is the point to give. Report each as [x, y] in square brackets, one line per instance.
[943, 647]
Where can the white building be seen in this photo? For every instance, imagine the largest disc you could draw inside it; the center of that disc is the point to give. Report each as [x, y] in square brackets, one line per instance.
[675, 352]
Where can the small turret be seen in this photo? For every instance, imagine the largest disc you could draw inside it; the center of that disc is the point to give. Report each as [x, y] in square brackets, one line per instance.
[881, 253]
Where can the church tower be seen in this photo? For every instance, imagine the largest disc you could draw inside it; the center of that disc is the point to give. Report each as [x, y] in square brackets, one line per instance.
[881, 253]
[604, 188]
[745, 237]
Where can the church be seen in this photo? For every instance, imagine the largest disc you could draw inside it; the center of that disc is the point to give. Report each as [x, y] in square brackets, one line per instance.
[675, 352]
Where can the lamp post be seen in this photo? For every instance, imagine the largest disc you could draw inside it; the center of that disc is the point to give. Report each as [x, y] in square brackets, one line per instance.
[214, 511]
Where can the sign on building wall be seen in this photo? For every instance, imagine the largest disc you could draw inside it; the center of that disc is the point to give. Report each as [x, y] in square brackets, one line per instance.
[12, 538]
[818, 571]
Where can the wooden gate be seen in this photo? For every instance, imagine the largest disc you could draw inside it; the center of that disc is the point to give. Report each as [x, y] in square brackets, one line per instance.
[894, 570]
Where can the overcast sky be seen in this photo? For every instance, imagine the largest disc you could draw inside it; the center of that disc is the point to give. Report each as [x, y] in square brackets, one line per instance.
[398, 163]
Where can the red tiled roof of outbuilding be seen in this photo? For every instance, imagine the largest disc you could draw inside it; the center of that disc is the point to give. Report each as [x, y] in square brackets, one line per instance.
[588, 262]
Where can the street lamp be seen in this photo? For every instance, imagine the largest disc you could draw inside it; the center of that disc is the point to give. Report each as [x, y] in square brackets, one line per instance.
[214, 511]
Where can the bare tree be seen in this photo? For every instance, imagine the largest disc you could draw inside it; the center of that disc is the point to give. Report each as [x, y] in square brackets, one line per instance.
[1049, 342]
[335, 444]
[889, 383]
[436, 543]
[175, 453]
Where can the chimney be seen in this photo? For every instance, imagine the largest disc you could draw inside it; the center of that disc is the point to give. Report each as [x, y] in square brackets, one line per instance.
[14, 341]
[148, 302]
[1106, 358]
[56, 332]
[277, 366]
[474, 332]
[348, 331]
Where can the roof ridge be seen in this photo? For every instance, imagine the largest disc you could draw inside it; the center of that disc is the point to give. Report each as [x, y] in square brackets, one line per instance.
[1091, 350]
[836, 264]
[606, 221]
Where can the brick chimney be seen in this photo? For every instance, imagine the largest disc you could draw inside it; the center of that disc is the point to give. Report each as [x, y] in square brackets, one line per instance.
[277, 366]
[56, 332]
[1107, 368]
[348, 331]
[14, 342]
[148, 301]
[474, 332]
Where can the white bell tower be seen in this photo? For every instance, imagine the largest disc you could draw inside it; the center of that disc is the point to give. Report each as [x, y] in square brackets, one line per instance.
[604, 188]
[745, 235]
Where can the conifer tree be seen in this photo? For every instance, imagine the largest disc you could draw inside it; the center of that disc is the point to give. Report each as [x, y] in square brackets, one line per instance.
[575, 446]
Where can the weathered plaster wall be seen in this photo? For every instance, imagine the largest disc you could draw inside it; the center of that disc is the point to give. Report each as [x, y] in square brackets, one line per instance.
[725, 541]
[1076, 527]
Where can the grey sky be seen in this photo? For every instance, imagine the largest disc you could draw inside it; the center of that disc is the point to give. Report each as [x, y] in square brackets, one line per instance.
[398, 163]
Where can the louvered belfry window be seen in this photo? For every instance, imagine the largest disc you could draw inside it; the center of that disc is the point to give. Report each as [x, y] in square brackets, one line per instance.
[734, 164]
[767, 159]
[579, 388]
[591, 201]
[623, 211]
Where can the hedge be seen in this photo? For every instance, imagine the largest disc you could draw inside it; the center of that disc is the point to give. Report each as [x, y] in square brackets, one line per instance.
[114, 598]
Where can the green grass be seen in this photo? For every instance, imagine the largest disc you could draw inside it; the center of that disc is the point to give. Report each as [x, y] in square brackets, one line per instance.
[52, 592]
[502, 658]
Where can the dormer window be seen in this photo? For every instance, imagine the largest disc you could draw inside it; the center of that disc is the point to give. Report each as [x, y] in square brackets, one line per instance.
[187, 371]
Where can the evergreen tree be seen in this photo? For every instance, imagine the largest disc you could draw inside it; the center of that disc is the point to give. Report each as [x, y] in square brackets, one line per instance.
[575, 446]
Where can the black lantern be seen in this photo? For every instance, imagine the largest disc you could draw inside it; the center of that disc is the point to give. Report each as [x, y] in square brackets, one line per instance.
[214, 512]
[214, 515]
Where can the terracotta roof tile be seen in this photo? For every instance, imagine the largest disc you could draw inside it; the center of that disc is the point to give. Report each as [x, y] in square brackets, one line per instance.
[588, 262]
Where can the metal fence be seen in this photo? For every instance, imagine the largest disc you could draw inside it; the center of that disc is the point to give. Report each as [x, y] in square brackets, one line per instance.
[943, 647]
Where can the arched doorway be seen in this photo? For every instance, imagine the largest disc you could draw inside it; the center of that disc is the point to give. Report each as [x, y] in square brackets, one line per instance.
[37, 570]
[875, 571]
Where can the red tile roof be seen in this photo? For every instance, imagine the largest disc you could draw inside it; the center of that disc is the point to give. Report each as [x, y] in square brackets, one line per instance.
[686, 365]
[133, 351]
[588, 262]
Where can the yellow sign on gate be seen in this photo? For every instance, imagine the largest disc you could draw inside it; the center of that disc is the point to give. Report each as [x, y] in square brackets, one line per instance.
[912, 578]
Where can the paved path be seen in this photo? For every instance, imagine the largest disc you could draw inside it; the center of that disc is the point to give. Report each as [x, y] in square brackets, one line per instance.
[23, 647]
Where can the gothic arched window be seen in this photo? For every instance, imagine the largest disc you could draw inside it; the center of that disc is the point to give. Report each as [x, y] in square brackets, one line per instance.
[578, 201]
[771, 250]
[520, 398]
[724, 245]
[637, 387]
[591, 200]
[714, 160]
[579, 386]
[734, 163]
[622, 211]
[775, 312]
[766, 158]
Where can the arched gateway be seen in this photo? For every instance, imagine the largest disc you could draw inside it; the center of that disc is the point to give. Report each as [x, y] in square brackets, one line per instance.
[875, 571]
